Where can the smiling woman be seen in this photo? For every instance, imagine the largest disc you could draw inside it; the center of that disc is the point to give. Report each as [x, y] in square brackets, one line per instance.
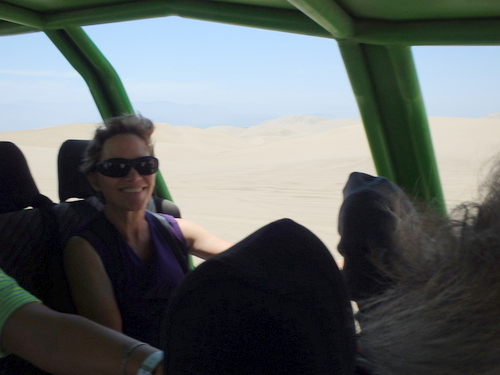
[124, 138]
[123, 266]
[123, 189]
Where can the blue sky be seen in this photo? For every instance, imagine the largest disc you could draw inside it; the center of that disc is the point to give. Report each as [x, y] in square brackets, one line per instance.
[202, 74]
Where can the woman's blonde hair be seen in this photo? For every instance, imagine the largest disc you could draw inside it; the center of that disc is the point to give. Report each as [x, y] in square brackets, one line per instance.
[127, 124]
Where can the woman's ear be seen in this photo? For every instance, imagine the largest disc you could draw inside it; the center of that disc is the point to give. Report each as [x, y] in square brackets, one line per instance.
[94, 180]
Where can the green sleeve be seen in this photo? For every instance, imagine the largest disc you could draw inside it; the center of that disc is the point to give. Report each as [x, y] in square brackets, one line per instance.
[12, 297]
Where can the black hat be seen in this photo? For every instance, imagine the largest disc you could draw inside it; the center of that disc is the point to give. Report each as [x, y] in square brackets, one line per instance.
[367, 222]
[274, 303]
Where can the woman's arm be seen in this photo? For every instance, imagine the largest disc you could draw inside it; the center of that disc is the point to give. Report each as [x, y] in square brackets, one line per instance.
[69, 344]
[91, 288]
[200, 241]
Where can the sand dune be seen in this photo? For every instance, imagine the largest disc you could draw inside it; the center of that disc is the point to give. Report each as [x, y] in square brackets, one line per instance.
[234, 180]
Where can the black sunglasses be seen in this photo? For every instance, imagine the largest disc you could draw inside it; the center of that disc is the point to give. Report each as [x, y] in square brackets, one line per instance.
[119, 167]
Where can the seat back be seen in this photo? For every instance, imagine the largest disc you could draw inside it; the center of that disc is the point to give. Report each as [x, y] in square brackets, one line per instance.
[17, 188]
[31, 239]
[30, 249]
[72, 182]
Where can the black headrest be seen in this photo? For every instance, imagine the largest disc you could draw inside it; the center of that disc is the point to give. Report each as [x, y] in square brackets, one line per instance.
[275, 303]
[18, 189]
[72, 182]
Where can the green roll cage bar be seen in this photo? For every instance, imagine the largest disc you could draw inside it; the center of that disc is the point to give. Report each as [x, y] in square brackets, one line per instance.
[374, 36]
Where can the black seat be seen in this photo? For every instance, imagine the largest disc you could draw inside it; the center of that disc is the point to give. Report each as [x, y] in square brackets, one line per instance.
[274, 303]
[74, 184]
[29, 241]
[17, 189]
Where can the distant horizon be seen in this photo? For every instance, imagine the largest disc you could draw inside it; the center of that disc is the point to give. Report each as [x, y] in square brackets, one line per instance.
[321, 119]
[201, 123]
[183, 118]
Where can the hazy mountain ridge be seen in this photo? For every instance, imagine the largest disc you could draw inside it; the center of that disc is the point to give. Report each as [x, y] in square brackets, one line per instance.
[285, 128]
[493, 115]
[293, 123]
[276, 130]
[272, 130]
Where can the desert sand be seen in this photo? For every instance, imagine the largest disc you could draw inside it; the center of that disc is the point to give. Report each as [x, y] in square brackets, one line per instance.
[233, 181]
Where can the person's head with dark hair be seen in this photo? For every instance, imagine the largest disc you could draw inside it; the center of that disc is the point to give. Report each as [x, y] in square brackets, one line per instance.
[273, 304]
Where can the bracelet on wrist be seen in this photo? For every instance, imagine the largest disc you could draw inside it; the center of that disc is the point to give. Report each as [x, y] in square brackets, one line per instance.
[126, 355]
[150, 363]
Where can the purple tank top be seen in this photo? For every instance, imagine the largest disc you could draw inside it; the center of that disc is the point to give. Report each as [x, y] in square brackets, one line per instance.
[141, 289]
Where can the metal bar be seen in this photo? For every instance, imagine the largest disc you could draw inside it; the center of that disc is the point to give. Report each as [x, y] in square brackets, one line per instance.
[426, 177]
[21, 16]
[328, 14]
[389, 98]
[364, 92]
[108, 14]
[78, 60]
[237, 14]
[105, 75]
[429, 32]
[9, 28]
